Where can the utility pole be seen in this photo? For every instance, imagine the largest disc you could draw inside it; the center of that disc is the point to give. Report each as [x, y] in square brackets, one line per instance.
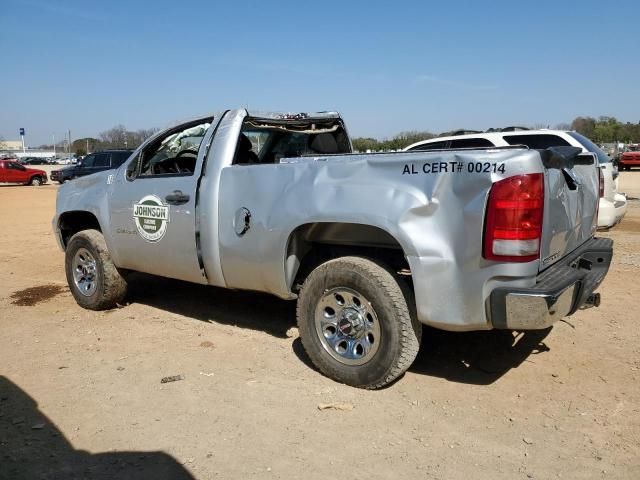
[69, 142]
[87, 145]
[54, 145]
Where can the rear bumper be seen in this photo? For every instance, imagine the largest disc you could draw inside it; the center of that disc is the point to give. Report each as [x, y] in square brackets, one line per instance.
[560, 290]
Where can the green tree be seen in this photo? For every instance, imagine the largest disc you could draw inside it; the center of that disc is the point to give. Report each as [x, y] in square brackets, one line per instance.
[120, 137]
[584, 125]
[607, 129]
[87, 144]
[361, 144]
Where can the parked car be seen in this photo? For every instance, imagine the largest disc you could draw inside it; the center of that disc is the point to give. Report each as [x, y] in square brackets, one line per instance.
[630, 157]
[14, 172]
[34, 161]
[372, 246]
[61, 161]
[613, 205]
[92, 163]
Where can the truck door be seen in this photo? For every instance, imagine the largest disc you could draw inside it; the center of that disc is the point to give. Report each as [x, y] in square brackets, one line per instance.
[101, 163]
[88, 165]
[153, 204]
[16, 173]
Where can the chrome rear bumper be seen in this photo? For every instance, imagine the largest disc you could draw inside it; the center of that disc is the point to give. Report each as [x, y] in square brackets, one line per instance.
[560, 290]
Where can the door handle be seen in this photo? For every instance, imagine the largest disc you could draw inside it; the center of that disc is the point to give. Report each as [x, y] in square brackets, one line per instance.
[177, 198]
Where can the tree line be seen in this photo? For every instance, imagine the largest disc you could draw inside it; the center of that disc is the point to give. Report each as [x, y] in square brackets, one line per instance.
[607, 130]
[600, 130]
[117, 137]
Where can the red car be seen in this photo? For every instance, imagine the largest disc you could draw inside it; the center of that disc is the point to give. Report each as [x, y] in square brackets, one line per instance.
[630, 158]
[12, 172]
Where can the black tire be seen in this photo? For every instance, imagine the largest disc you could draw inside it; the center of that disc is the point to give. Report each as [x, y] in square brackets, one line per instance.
[35, 181]
[110, 287]
[392, 301]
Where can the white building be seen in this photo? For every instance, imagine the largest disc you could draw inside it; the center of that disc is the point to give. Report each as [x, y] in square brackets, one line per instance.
[11, 145]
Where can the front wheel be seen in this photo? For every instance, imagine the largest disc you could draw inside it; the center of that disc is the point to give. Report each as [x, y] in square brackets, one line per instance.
[94, 280]
[36, 181]
[357, 323]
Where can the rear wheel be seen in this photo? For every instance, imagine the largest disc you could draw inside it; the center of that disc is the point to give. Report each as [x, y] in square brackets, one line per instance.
[357, 323]
[35, 181]
[94, 281]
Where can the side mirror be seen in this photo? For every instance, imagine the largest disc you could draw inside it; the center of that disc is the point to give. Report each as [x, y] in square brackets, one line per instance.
[132, 168]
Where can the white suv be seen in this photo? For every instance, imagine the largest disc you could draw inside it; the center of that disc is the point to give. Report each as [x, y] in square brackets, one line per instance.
[613, 205]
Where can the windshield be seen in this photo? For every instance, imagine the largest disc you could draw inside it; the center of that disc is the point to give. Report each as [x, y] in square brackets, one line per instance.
[592, 147]
[188, 139]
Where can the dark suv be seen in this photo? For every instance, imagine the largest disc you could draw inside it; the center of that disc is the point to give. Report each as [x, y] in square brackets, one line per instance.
[92, 163]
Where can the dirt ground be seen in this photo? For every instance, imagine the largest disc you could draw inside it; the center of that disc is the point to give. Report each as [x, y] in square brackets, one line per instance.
[81, 392]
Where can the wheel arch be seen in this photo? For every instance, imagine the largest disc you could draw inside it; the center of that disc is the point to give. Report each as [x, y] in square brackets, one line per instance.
[311, 244]
[72, 222]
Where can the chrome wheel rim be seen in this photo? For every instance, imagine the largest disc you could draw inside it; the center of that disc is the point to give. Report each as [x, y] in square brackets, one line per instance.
[84, 272]
[347, 326]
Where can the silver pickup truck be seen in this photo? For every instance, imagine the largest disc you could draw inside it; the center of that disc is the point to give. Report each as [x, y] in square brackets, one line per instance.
[371, 246]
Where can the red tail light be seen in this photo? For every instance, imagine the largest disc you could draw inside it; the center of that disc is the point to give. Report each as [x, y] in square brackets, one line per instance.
[601, 180]
[513, 224]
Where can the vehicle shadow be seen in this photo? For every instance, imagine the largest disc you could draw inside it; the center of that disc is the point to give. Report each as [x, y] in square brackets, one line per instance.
[478, 358]
[256, 311]
[31, 446]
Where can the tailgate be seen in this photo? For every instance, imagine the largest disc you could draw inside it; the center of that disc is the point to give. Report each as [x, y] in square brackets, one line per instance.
[571, 202]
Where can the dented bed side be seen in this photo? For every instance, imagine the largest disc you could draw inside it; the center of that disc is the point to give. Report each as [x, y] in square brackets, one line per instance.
[432, 204]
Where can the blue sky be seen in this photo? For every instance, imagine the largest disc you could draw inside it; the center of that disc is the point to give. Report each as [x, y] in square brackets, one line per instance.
[386, 66]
